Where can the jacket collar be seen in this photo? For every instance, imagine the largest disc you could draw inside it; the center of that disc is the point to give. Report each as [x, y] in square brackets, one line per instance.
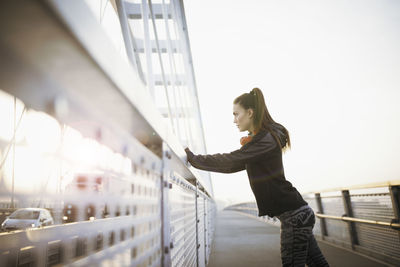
[256, 137]
[259, 135]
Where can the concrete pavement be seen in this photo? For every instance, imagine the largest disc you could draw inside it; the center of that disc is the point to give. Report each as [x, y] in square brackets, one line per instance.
[241, 241]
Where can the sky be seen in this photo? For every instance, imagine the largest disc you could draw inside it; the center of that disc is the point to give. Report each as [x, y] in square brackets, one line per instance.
[329, 71]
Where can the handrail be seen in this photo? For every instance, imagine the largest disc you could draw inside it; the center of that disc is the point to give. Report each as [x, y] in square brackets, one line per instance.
[243, 208]
[386, 250]
[355, 187]
[392, 224]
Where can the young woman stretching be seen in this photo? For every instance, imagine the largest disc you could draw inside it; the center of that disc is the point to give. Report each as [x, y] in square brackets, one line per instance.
[261, 156]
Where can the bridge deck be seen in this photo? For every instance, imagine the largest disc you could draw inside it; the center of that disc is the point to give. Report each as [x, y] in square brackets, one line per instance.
[243, 241]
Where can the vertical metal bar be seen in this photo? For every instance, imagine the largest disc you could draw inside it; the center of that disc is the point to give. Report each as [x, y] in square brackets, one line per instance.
[147, 48]
[205, 230]
[185, 117]
[163, 72]
[324, 231]
[173, 74]
[129, 41]
[13, 257]
[183, 51]
[165, 216]
[175, 13]
[169, 51]
[126, 31]
[189, 66]
[184, 95]
[13, 158]
[395, 197]
[197, 224]
[40, 254]
[349, 212]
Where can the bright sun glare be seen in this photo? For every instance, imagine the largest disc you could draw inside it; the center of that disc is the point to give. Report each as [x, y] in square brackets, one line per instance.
[47, 154]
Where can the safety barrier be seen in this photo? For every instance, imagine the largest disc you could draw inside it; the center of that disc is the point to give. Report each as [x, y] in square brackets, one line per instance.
[360, 218]
[156, 218]
[116, 181]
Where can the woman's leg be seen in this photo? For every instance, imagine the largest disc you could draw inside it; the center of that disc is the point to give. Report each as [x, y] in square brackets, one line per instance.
[286, 244]
[294, 245]
[298, 245]
[314, 256]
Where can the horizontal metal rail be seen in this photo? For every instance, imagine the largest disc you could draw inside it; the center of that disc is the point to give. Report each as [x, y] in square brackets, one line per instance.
[244, 208]
[394, 225]
[380, 205]
[355, 187]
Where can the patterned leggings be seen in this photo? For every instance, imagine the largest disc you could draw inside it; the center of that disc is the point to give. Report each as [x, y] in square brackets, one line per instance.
[298, 245]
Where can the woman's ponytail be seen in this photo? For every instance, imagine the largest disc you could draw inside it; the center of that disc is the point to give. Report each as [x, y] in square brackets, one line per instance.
[259, 108]
[262, 119]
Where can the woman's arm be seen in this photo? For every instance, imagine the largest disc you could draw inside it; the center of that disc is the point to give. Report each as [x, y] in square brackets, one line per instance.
[213, 163]
[234, 161]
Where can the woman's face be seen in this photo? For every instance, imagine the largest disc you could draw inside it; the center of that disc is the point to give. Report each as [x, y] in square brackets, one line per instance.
[243, 118]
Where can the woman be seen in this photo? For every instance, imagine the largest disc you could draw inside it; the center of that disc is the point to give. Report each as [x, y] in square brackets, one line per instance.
[261, 156]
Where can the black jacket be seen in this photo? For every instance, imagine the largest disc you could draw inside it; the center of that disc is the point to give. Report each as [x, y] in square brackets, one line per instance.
[262, 159]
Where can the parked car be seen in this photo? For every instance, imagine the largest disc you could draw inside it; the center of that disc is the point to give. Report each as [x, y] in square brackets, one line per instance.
[27, 218]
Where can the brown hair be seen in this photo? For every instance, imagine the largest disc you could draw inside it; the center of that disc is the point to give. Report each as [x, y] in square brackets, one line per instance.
[262, 119]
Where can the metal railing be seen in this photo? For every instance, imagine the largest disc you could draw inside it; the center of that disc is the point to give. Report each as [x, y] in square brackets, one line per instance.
[132, 200]
[151, 216]
[360, 218]
[140, 237]
[392, 224]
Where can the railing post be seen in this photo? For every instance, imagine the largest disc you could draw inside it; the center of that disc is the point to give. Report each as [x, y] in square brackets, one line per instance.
[165, 216]
[324, 231]
[205, 230]
[197, 224]
[349, 213]
[395, 196]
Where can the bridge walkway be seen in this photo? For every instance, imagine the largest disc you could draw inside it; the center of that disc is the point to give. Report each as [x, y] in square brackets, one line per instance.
[242, 241]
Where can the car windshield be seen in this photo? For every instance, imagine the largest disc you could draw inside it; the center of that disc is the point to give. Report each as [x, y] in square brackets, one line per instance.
[25, 214]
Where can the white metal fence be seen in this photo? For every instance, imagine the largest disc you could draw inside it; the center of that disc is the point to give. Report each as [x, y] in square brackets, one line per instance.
[84, 134]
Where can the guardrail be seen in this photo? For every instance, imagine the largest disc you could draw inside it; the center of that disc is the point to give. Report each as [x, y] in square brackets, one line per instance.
[392, 224]
[144, 205]
[178, 235]
[161, 220]
[360, 218]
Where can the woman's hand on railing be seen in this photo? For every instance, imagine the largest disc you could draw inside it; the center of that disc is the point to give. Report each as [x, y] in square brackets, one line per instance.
[189, 155]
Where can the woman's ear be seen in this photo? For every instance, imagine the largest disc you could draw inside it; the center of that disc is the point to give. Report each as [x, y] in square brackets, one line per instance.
[250, 112]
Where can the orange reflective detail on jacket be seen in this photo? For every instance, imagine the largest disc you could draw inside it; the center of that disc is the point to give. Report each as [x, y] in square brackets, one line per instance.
[245, 139]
